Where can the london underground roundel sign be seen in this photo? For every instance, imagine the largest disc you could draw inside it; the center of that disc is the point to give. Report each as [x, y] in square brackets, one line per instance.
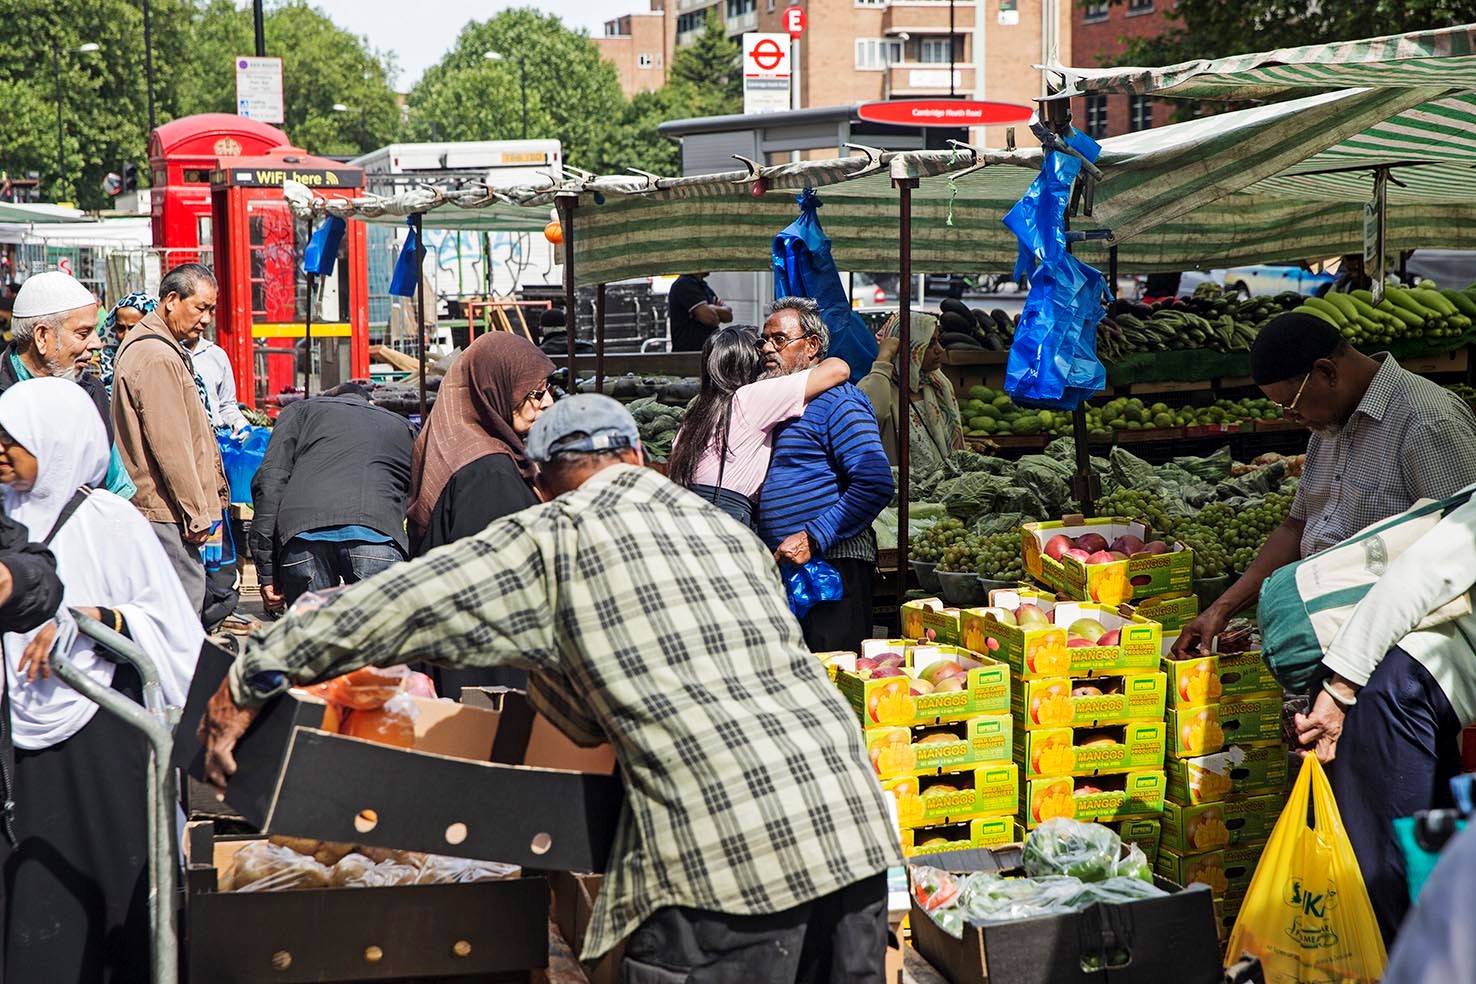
[944, 112]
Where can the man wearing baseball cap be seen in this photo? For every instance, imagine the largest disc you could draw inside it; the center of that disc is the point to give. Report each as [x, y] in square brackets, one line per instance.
[755, 838]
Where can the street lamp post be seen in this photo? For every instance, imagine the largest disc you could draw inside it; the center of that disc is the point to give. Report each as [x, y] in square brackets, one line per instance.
[61, 136]
[522, 83]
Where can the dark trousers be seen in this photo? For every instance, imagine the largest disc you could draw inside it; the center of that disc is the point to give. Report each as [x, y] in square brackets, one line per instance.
[839, 626]
[840, 938]
[316, 565]
[1399, 750]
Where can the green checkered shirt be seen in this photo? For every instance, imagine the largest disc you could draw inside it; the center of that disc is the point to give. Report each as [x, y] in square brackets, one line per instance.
[644, 614]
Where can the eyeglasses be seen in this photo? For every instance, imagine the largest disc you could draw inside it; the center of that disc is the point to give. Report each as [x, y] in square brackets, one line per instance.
[1288, 409]
[536, 397]
[781, 341]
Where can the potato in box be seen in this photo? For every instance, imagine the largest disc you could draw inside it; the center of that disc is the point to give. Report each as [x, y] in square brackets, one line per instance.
[1208, 827]
[943, 683]
[1110, 797]
[1227, 871]
[1064, 702]
[1063, 638]
[930, 620]
[925, 801]
[1240, 769]
[979, 740]
[1073, 557]
[1090, 751]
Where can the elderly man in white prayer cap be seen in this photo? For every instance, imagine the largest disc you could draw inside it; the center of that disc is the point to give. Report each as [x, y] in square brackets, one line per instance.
[54, 326]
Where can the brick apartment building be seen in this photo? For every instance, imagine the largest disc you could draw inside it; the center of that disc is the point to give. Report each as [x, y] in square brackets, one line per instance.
[856, 51]
[1100, 32]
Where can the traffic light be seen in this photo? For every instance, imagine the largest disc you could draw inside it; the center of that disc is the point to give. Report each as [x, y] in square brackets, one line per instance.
[130, 177]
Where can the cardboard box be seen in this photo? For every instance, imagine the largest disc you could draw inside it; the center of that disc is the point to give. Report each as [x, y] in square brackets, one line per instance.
[1239, 770]
[928, 801]
[889, 701]
[1227, 911]
[1196, 829]
[1203, 680]
[1062, 702]
[980, 740]
[501, 785]
[1173, 610]
[1114, 797]
[930, 620]
[574, 895]
[1227, 872]
[1090, 751]
[1033, 651]
[829, 660]
[981, 832]
[1172, 939]
[1141, 576]
[1142, 831]
[1205, 730]
[404, 933]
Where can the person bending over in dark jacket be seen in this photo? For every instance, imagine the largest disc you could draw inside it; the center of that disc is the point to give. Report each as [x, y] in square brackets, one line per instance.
[330, 495]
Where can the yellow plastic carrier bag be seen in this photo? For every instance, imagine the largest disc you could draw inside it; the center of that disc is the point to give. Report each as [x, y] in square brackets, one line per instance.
[1306, 914]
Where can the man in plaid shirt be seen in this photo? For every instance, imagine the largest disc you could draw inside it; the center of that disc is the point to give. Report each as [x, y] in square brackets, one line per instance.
[755, 838]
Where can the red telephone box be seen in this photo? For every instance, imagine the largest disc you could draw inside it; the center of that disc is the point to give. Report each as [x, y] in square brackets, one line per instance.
[218, 199]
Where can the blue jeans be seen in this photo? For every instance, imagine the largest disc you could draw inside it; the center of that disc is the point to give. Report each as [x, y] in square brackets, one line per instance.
[315, 565]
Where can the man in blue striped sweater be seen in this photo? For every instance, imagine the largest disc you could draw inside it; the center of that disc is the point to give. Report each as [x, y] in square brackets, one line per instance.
[828, 480]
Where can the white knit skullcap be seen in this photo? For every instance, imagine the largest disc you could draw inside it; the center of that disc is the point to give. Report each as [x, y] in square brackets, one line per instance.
[51, 293]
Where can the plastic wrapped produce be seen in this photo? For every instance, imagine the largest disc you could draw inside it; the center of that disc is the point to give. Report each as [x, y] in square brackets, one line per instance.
[988, 897]
[1114, 890]
[262, 866]
[324, 852]
[1133, 865]
[437, 869]
[1061, 846]
[933, 888]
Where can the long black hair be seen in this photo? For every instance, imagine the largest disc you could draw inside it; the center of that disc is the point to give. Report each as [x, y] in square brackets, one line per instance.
[730, 359]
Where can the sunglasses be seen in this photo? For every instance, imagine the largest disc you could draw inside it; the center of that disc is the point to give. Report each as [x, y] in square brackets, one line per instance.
[537, 395]
[781, 341]
[1289, 409]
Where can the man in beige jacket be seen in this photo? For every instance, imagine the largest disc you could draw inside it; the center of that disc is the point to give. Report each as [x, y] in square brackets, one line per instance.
[163, 430]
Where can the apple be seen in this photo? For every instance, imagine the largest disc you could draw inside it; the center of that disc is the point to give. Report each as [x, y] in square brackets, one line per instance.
[1112, 637]
[1003, 616]
[1057, 545]
[1085, 690]
[1091, 542]
[1076, 553]
[889, 659]
[1078, 643]
[1156, 547]
[1086, 790]
[865, 664]
[886, 671]
[920, 687]
[1087, 628]
[1128, 544]
[933, 673]
[1102, 557]
[950, 684]
[1031, 616]
[1118, 555]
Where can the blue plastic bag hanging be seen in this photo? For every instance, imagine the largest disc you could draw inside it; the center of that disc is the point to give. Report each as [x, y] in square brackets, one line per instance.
[804, 267]
[1053, 359]
[407, 273]
[811, 584]
[322, 250]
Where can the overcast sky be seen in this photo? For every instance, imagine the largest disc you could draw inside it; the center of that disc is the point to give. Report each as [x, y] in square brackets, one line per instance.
[420, 33]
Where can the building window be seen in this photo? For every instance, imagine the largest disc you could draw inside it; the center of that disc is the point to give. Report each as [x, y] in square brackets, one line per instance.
[692, 20]
[1139, 6]
[871, 3]
[1096, 116]
[1140, 113]
[875, 54]
[737, 8]
[1097, 11]
[935, 51]
[771, 6]
[645, 61]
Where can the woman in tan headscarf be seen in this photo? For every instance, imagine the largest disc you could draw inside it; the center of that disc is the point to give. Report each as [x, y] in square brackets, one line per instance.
[469, 468]
[935, 426]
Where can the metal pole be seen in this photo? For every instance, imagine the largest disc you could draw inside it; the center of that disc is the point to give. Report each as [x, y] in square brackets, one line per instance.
[420, 304]
[523, 85]
[951, 53]
[567, 204]
[904, 374]
[149, 60]
[307, 337]
[61, 150]
[258, 16]
[600, 338]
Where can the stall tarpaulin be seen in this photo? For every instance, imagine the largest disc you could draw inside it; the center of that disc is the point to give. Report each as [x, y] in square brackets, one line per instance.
[804, 267]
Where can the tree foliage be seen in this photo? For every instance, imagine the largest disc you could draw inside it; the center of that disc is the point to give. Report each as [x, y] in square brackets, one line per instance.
[707, 75]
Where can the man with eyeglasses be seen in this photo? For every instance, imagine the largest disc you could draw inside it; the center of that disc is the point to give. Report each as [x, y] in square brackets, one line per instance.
[828, 480]
[1382, 438]
[330, 495]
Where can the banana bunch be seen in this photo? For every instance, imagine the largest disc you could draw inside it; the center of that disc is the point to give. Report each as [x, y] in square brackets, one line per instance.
[1405, 314]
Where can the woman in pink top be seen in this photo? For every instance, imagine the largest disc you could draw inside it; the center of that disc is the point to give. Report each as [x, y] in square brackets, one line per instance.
[722, 450]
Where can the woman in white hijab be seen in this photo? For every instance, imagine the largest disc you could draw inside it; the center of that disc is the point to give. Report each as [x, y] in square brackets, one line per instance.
[75, 882]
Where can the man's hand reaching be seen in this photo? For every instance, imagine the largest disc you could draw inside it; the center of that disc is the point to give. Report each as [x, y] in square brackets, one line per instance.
[794, 550]
[223, 725]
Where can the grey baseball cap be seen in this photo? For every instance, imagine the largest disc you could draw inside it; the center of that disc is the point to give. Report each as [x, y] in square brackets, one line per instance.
[588, 422]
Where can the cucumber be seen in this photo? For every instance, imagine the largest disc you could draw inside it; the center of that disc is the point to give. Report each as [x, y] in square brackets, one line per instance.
[1406, 300]
[1343, 303]
[1462, 301]
[1317, 313]
[1430, 297]
[1335, 313]
[1409, 320]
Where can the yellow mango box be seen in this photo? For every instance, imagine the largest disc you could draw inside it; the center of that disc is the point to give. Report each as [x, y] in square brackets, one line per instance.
[1134, 571]
[930, 620]
[1227, 871]
[1238, 770]
[1212, 679]
[1045, 637]
[1063, 702]
[983, 832]
[1172, 610]
[942, 683]
[1090, 751]
[1115, 797]
[1211, 826]
[1249, 719]
[926, 801]
[980, 740]
[1142, 831]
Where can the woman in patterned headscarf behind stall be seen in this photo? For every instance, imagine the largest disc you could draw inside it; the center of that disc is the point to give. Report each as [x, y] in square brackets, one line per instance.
[124, 315]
